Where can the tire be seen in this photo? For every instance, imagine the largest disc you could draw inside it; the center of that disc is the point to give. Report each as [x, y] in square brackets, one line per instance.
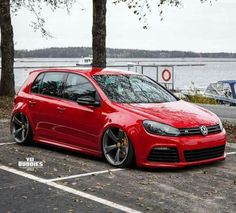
[117, 148]
[21, 129]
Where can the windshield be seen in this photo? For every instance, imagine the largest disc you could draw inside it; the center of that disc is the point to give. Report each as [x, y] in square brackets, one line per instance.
[132, 89]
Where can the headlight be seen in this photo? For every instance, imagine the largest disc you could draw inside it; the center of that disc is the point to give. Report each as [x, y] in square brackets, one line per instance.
[221, 125]
[156, 128]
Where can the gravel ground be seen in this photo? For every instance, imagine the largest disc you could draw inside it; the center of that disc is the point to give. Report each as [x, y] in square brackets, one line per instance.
[230, 127]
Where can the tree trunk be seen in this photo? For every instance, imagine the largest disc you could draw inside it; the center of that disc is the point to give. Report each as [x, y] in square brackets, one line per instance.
[99, 33]
[7, 84]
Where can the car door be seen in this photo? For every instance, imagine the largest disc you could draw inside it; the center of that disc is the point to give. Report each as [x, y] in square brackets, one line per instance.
[80, 125]
[43, 103]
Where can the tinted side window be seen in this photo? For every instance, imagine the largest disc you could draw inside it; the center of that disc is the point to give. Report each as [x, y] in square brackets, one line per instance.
[52, 84]
[78, 86]
[36, 84]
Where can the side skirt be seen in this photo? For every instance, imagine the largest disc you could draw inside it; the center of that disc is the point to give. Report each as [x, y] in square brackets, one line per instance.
[68, 147]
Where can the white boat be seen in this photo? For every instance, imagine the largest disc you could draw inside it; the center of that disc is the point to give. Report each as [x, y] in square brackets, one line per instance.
[85, 61]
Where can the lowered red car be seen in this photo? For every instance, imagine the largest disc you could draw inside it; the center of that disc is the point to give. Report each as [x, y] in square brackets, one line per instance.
[124, 116]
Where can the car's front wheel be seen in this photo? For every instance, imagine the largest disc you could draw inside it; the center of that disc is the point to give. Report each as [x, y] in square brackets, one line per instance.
[117, 148]
[20, 129]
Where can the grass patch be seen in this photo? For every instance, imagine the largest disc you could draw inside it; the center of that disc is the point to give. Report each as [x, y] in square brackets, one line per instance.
[200, 99]
[5, 106]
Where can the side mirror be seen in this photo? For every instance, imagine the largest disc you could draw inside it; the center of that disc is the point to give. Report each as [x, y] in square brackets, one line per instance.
[88, 100]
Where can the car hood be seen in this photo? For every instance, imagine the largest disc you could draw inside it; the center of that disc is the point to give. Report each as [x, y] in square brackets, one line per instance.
[179, 114]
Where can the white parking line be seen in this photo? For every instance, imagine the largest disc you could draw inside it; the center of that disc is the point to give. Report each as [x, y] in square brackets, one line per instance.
[84, 174]
[69, 190]
[1, 144]
[231, 153]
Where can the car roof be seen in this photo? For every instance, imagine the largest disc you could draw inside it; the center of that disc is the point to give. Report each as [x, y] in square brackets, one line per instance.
[87, 71]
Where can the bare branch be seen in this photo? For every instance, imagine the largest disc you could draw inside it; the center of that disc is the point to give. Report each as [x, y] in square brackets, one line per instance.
[141, 8]
[35, 6]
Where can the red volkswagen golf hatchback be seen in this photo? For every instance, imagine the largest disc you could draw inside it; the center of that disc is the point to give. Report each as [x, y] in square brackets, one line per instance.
[124, 116]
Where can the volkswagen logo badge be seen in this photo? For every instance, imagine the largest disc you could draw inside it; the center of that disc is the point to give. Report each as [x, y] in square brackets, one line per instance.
[204, 130]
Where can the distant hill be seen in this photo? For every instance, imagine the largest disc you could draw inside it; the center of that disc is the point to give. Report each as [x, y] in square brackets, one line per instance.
[77, 52]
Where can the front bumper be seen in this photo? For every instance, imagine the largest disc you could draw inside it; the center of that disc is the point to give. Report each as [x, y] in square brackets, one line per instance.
[148, 142]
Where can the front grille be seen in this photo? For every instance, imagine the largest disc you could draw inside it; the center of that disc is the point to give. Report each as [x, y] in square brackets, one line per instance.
[204, 154]
[215, 128]
[197, 131]
[164, 154]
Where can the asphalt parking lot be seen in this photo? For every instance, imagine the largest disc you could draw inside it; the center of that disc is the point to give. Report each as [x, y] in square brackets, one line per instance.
[73, 182]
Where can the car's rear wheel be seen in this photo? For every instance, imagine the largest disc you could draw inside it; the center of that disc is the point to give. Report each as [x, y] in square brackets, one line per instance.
[117, 148]
[20, 129]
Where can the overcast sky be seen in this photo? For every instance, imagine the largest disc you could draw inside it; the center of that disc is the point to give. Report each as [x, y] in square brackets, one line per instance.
[195, 27]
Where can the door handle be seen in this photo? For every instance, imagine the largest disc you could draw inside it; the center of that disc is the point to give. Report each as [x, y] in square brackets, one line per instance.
[32, 103]
[61, 109]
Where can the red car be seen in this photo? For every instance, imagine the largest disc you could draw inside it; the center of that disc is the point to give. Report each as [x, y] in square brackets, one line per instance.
[124, 116]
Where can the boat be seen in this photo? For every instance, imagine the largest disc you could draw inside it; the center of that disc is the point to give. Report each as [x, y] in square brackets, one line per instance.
[222, 91]
[85, 61]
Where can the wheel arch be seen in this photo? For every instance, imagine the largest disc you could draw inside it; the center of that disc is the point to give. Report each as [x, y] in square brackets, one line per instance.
[23, 108]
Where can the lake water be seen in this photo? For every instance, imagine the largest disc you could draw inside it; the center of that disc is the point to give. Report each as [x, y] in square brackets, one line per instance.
[203, 72]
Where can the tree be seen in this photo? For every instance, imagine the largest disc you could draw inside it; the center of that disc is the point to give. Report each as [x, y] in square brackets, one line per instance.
[99, 33]
[7, 85]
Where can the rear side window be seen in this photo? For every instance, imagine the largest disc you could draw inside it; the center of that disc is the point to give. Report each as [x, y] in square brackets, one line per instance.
[52, 84]
[36, 85]
[49, 83]
[78, 86]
